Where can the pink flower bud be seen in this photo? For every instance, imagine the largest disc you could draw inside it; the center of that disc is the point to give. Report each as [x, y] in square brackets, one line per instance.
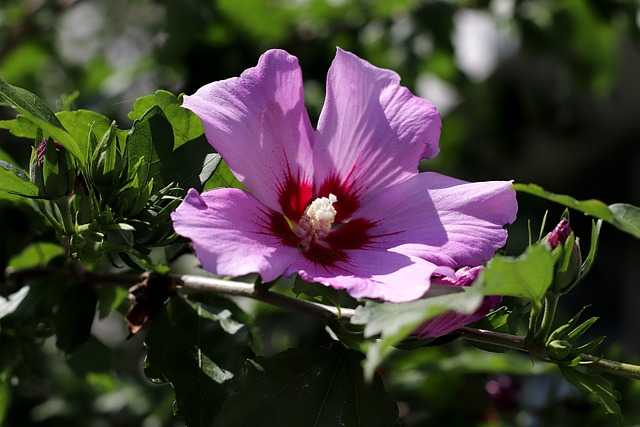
[559, 234]
[42, 148]
[450, 321]
[567, 271]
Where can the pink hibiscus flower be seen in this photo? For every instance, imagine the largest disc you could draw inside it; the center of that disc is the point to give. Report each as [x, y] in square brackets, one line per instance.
[450, 321]
[344, 205]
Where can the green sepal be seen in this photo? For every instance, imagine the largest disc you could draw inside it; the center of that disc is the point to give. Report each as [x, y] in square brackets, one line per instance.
[588, 347]
[58, 172]
[596, 386]
[107, 162]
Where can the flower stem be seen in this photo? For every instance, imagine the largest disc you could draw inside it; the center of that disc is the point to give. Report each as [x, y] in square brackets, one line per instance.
[209, 284]
[45, 212]
[550, 307]
[518, 343]
[65, 214]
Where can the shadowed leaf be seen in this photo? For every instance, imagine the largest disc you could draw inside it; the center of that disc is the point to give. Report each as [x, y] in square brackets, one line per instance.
[316, 386]
[198, 350]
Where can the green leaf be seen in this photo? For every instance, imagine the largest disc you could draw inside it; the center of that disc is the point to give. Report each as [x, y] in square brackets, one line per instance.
[191, 165]
[36, 255]
[198, 350]
[587, 347]
[590, 207]
[151, 142]
[5, 393]
[110, 298]
[581, 329]
[394, 322]
[20, 127]
[39, 113]
[623, 216]
[14, 181]
[81, 124]
[528, 276]
[593, 250]
[75, 315]
[317, 291]
[186, 125]
[314, 386]
[93, 356]
[223, 178]
[626, 218]
[596, 386]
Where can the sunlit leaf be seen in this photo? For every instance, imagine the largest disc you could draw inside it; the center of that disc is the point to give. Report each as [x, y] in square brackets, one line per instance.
[14, 181]
[223, 177]
[20, 127]
[151, 140]
[594, 208]
[394, 322]
[186, 125]
[527, 276]
[314, 386]
[36, 255]
[198, 350]
[627, 218]
[81, 123]
[621, 215]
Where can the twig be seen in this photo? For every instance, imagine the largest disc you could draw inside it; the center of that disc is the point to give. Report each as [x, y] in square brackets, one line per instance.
[208, 284]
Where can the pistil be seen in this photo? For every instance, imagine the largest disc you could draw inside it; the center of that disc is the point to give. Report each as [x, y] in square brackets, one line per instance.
[317, 220]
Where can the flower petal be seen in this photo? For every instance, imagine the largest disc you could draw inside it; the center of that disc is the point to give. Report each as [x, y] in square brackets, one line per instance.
[450, 321]
[373, 274]
[259, 124]
[443, 220]
[230, 234]
[372, 132]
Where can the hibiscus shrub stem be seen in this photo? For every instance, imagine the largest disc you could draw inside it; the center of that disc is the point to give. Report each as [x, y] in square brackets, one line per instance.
[321, 311]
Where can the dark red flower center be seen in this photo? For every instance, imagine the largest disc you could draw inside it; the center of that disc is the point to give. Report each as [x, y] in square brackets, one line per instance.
[321, 227]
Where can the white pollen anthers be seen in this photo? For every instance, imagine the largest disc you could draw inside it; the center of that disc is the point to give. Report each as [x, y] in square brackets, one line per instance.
[321, 214]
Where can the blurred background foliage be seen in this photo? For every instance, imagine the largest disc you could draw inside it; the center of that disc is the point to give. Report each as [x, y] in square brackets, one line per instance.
[542, 91]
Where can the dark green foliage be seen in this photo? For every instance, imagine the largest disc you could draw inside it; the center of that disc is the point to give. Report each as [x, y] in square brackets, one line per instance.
[74, 316]
[314, 386]
[199, 350]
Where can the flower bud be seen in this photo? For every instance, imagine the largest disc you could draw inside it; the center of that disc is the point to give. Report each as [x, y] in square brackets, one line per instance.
[560, 234]
[569, 261]
[558, 349]
[52, 170]
[107, 162]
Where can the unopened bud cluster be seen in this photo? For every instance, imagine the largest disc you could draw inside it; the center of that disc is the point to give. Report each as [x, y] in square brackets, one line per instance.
[111, 206]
